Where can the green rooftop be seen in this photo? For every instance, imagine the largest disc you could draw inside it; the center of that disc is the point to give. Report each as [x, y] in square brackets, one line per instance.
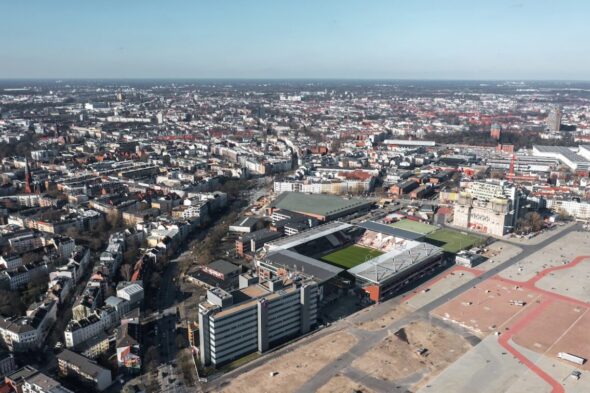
[317, 204]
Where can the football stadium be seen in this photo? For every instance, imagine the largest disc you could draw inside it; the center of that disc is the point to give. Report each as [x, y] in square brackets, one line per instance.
[379, 258]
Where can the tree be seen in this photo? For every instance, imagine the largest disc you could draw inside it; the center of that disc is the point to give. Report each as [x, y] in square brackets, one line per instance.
[531, 222]
[563, 215]
[126, 271]
[130, 255]
[34, 289]
[155, 280]
[11, 303]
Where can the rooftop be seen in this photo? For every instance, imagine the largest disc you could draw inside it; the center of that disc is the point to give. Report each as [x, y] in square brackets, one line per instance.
[391, 231]
[85, 365]
[382, 268]
[293, 261]
[316, 204]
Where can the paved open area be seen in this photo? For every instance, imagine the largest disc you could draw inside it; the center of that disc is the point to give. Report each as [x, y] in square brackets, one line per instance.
[572, 245]
[487, 307]
[573, 282]
[438, 287]
[487, 368]
[561, 327]
[497, 253]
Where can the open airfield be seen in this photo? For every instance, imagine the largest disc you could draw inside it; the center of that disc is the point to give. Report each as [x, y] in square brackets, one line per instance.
[465, 330]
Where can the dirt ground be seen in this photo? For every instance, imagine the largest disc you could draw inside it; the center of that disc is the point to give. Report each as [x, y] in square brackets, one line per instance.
[396, 357]
[342, 384]
[293, 368]
[379, 318]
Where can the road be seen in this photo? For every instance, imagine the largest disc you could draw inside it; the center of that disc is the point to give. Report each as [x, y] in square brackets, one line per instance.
[368, 339]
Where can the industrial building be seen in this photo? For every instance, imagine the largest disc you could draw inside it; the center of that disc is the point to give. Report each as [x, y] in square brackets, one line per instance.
[577, 159]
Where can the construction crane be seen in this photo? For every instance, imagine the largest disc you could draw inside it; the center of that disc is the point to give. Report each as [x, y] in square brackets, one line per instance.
[511, 171]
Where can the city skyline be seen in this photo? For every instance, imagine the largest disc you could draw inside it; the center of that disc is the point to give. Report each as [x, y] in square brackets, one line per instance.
[424, 40]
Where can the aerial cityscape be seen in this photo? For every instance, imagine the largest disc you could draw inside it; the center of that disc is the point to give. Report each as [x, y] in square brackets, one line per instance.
[261, 223]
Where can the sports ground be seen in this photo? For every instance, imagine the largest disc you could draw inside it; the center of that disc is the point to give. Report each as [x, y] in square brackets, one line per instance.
[453, 241]
[414, 226]
[349, 257]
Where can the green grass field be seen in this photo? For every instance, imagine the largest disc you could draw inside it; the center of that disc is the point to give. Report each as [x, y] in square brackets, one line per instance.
[414, 226]
[453, 241]
[350, 256]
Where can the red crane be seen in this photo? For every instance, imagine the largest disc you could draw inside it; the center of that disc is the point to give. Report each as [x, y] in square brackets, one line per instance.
[511, 172]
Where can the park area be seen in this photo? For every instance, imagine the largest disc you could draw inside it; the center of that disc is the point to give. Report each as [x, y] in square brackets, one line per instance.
[349, 257]
[453, 241]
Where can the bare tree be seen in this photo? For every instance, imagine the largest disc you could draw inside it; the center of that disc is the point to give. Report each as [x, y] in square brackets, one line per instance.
[126, 271]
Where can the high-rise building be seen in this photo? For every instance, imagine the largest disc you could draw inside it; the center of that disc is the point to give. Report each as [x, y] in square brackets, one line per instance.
[255, 318]
[496, 131]
[27, 177]
[489, 207]
[554, 119]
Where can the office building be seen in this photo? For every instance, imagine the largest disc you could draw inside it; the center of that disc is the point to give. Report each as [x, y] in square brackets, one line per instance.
[255, 318]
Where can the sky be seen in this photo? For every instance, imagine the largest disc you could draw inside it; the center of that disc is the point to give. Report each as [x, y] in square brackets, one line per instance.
[342, 39]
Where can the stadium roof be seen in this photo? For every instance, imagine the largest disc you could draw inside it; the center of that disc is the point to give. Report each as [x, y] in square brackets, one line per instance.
[391, 231]
[380, 269]
[306, 236]
[317, 204]
[293, 261]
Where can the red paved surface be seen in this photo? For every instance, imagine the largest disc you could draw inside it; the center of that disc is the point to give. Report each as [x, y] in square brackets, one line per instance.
[519, 325]
[487, 306]
[546, 325]
[579, 332]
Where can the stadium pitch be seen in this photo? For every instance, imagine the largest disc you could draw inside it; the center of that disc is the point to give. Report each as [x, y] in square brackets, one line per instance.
[351, 256]
[453, 241]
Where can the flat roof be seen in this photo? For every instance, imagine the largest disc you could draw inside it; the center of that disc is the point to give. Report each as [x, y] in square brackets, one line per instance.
[223, 266]
[317, 204]
[245, 222]
[391, 231]
[383, 268]
[293, 261]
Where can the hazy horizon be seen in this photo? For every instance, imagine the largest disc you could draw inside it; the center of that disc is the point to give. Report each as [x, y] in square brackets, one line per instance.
[381, 40]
